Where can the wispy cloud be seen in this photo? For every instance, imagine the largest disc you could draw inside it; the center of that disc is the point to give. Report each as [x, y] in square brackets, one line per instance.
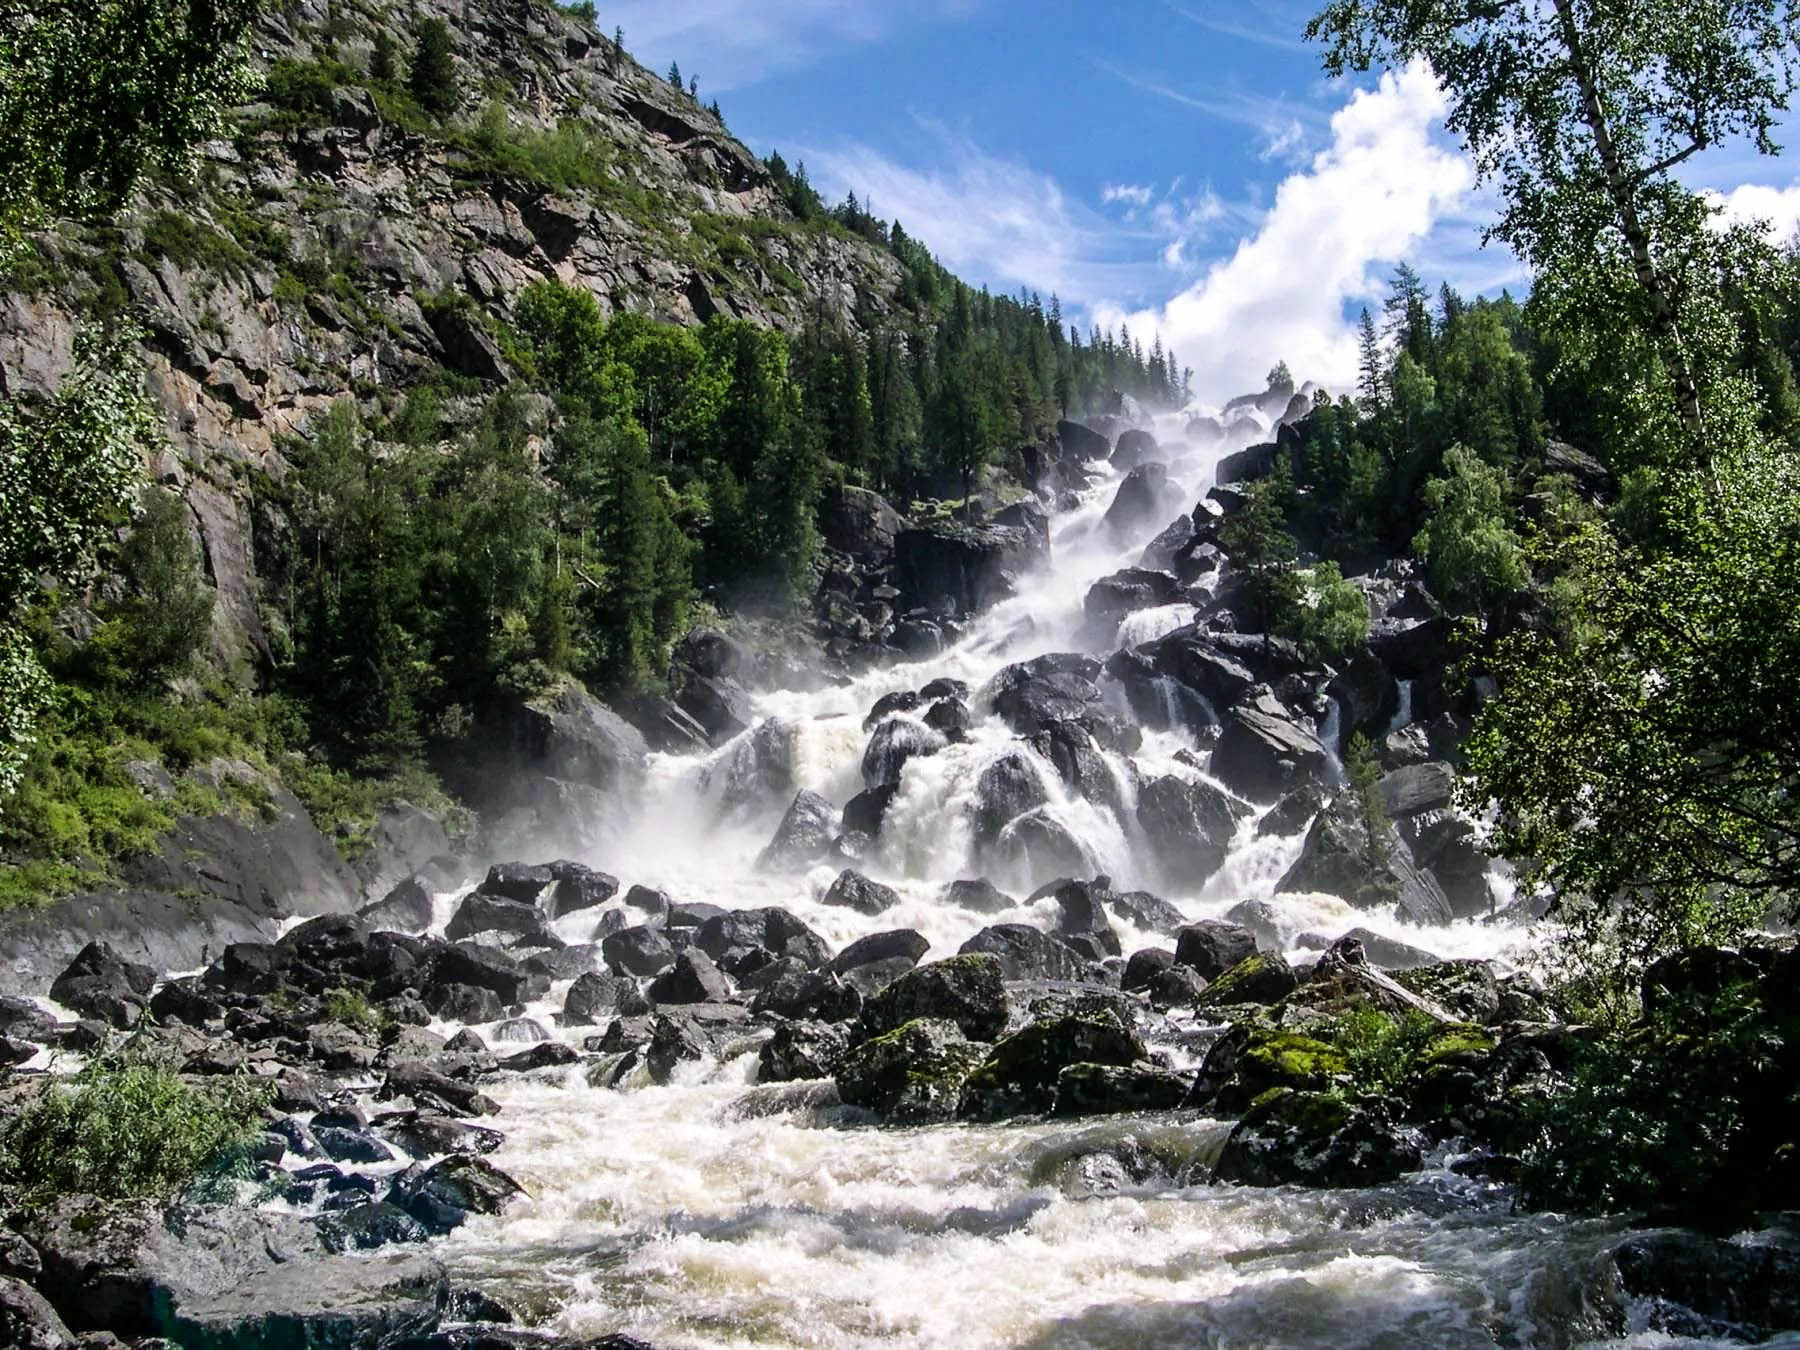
[1377, 194]
[1274, 32]
[1271, 117]
[732, 43]
[986, 217]
[1132, 194]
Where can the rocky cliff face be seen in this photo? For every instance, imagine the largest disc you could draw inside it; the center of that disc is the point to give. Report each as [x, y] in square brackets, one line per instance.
[342, 244]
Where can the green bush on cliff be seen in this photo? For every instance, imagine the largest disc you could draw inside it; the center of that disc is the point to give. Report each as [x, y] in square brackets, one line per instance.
[123, 1130]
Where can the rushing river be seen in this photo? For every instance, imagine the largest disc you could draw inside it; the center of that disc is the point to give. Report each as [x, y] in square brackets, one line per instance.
[711, 1212]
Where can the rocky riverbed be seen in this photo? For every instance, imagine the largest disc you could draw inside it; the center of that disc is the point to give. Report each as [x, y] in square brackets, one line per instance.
[1032, 981]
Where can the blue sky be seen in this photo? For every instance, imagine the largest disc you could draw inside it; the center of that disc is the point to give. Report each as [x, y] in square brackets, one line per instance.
[1177, 164]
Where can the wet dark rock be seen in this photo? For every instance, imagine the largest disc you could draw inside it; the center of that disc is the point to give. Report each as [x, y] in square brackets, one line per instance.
[523, 882]
[1142, 910]
[433, 1090]
[225, 1276]
[640, 951]
[597, 997]
[979, 895]
[897, 944]
[1005, 790]
[968, 990]
[710, 653]
[463, 1003]
[1019, 1075]
[719, 704]
[1290, 1138]
[407, 908]
[1075, 755]
[1027, 953]
[1449, 848]
[1336, 857]
[1082, 442]
[27, 1321]
[1385, 953]
[808, 995]
[912, 1074]
[1038, 844]
[1134, 445]
[1088, 1089]
[1264, 978]
[899, 701]
[466, 1042]
[801, 1050]
[1263, 919]
[568, 963]
[1190, 825]
[578, 887]
[1264, 752]
[19, 1260]
[443, 1195]
[974, 565]
[951, 719]
[1034, 695]
[1146, 497]
[1081, 912]
[861, 523]
[468, 963]
[1415, 788]
[1144, 966]
[896, 741]
[1211, 947]
[803, 837]
[1127, 591]
[773, 929]
[370, 1225]
[424, 1135]
[22, 1019]
[479, 913]
[102, 984]
[543, 1055]
[649, 900]
[1176, 987]
[865, 812]
[341, 1144]
[1293, 813]
[852, 890]
[1700, 1286]
[692, 979]
[690, 914]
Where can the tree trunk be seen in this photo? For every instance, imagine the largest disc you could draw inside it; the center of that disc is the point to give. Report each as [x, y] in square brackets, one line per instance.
[1667, 331]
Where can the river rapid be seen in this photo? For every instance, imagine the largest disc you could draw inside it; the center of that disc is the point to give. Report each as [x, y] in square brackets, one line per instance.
[712, 1212]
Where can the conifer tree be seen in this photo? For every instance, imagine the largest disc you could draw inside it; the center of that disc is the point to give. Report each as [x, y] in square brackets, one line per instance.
[432, 77]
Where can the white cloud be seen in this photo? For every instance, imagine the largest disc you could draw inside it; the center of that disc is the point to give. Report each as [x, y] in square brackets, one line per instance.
[1132, 194]
[1375, 195]
[1777, 209]
[732, 43]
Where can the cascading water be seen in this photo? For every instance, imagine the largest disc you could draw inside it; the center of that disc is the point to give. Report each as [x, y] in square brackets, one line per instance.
[711, 1212]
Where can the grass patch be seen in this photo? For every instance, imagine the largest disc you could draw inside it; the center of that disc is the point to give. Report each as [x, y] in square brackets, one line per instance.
[193, 245]
[123, 1130]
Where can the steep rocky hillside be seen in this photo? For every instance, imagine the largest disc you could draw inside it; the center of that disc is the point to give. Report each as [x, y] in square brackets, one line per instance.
[344, 242]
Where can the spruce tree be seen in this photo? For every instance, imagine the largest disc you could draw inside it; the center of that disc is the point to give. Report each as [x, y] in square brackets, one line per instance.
[432, 78]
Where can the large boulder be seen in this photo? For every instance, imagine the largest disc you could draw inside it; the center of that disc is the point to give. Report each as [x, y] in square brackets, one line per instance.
[1005, 790]
[1133, 448]
[1211, 947]
[1264, 752]
[968, 991]
[1020, 1073]
[1125, 592]
[773, 930]
[1034, 695]
[444, 1195]
[856, 521]
[568, 734]
[756, 771]
[1290, 1138]
[972, 565]
[1027, 953]
[1079, 441]
[226, 1276]
[1189, 825]
[1338, 858]
[718, 704]
[895, 741]
[911, 1075]
[27, 1321]
[1147, 498]
[803, 837]
[1692, 1285]
[852, 890]
[102, 984]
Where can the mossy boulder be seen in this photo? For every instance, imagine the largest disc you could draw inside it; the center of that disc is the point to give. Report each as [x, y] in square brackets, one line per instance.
[1294, 1138]
[1264, 978]
[1020, 1074]
[1252, 1059]
[912, 1075]
[1109, 1089]
[969, 991]
[1464, 989]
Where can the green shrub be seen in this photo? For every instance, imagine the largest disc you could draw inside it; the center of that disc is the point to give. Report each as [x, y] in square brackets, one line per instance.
[354, 1009]
[193, 245]
[123, 1130]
